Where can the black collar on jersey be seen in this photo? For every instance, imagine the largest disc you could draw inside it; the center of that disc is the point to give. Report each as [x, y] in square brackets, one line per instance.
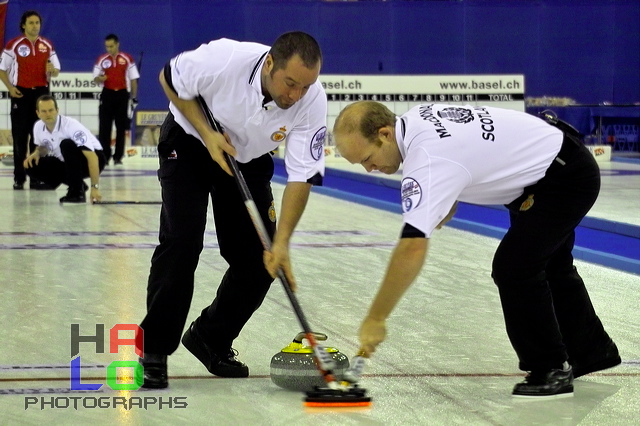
[255, 68]
[253, 75]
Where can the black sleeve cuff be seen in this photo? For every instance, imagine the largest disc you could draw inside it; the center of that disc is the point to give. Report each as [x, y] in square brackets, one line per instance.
[411, 232]
[167, 76]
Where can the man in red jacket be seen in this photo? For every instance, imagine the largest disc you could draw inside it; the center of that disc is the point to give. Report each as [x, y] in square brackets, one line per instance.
[116, 71]
[26, 65]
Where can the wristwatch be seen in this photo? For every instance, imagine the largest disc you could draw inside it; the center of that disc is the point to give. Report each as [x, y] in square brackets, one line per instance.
[95, 186]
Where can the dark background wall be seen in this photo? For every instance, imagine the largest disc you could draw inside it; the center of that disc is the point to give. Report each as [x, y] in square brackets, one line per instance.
[587, 50]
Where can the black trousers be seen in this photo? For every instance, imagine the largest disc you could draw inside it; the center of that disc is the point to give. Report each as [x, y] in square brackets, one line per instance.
[23, 117]
[71, 171]
[548, 313]
[113, 107]
[189, 177]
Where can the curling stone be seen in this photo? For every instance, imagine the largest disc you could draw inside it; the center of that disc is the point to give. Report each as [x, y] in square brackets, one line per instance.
[7, 160]
[294, 368]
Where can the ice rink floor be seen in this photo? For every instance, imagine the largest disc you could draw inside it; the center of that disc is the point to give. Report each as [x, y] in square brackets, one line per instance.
[447, 360]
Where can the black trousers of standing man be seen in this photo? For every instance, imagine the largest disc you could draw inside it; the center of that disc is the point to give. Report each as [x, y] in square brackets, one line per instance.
[71, 171]
[23, 117]
[114, 106]
[189, 177]
[548, 313]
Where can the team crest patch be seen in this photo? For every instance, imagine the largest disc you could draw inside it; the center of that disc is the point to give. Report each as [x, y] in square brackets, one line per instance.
[411, 194]
[527, 204]
[317, 143]
[106, 64]
[272, 212]
[80, 138]
[24, 50]
[42, 48]
[121, 61]
[456, 115]
[280, 135]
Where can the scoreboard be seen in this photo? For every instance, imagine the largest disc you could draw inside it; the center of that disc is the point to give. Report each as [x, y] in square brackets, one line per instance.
[402, 92]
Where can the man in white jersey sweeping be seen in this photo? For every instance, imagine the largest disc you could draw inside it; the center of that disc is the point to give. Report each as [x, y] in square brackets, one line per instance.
[261, 96]
[486, 155]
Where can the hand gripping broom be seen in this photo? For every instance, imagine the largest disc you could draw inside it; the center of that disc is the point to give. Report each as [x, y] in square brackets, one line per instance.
[344, 394]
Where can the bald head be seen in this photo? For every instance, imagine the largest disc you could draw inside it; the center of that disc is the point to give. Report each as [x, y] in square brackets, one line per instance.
[364, 118]
[364, 133]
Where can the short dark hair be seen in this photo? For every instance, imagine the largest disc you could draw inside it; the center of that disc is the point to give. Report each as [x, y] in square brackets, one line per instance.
[295, 43]
[25, 16]
[112, 37]
[45, 98]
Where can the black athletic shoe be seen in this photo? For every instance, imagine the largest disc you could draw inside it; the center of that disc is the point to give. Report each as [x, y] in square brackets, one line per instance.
[607, 359]
[18, 186]
[546, 384]
[155, 371]
[74, 198]
[40, 186]
[223, 364]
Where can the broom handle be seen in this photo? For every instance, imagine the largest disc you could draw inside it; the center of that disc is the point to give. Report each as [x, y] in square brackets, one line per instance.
[323, 359]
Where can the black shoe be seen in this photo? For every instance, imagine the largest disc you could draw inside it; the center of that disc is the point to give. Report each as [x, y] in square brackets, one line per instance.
[155, 371]
[40, 186]
[609, 358]
[546, 384]
[18, 186]
[74, 198]
[223, 364]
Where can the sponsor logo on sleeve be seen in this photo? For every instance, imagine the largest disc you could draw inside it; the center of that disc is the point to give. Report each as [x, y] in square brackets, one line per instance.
[317, 143]
[411, 194]
[80, 138]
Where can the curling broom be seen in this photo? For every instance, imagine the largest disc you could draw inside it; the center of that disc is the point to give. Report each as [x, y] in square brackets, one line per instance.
[336, 394]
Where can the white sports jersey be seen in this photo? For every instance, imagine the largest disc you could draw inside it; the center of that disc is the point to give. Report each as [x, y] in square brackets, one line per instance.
[226, 73]
[479, 155]
[66, 128]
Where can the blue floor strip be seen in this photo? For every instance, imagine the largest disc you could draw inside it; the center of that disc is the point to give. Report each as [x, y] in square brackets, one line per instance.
[609, 243]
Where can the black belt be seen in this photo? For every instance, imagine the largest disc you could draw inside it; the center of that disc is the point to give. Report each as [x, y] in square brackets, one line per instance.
[32, 88]
[571, 142]
[569, 145]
